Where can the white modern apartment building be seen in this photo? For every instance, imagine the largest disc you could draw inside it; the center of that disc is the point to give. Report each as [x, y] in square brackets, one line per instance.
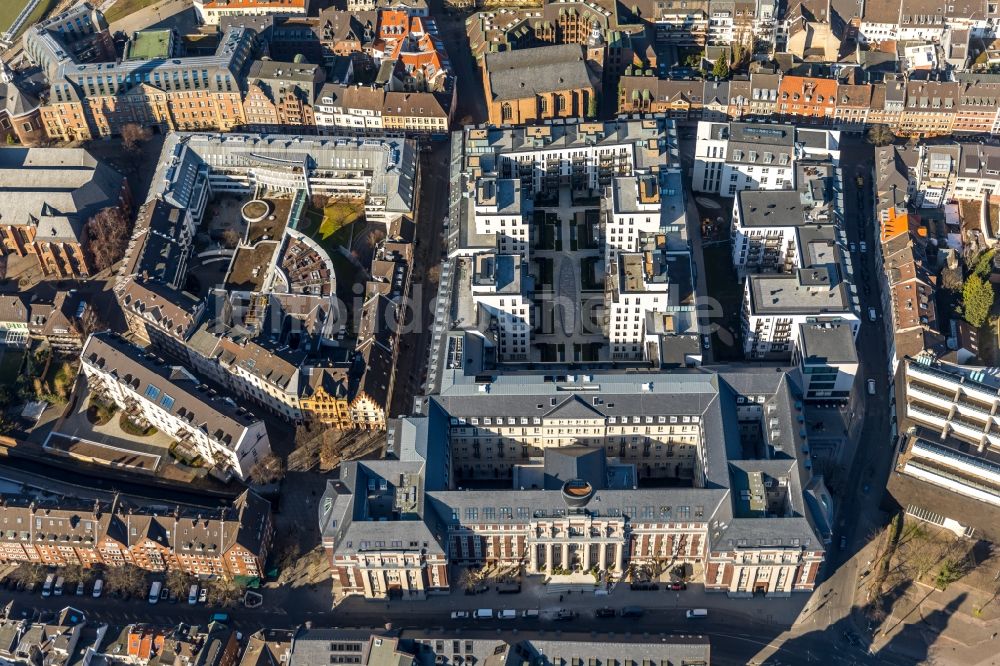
[176, 402]
[505, 311]
[634, 208]
[955, 444]
[640, 290]
[502, 213]
[826, 356]
[978, 172]
[570, 240]
[732, 157]
[775, 306]
[774, 231]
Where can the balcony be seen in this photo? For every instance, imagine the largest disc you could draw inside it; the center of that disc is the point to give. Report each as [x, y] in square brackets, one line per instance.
[977, 410]
[926, 415]
[935, 396]
[968, 427]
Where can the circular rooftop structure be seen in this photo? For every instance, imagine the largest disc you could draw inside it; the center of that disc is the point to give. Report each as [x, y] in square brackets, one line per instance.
[577, 492]
[256, 210]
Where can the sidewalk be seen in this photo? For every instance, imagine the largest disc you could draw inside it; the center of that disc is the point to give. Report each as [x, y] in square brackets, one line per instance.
[773, 611]
[956, 613]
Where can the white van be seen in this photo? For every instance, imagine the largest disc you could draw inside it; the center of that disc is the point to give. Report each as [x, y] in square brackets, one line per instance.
[47, 587]
[57, 591]
[530, 614]
[98, 587]
[154, 592]
[697, 613]
[193, 594]
[484, 614]
[507, 615]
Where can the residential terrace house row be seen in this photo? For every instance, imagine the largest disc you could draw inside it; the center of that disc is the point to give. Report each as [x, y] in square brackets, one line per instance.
[229, 542]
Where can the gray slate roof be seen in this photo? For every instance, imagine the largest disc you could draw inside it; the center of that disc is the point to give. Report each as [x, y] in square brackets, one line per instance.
[529, 72]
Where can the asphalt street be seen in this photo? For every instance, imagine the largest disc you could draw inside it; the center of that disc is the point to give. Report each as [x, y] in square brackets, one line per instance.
[859, 513]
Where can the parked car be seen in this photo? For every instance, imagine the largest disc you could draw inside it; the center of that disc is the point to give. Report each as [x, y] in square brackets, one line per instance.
[47, 587]
[843, 543]
[852, 247]
[154, 592]
[696, 614]
[460, 615]
[706, 341]
[219, 617]
[562, 615]
[645, 586]
[507, 614]
[203, 595]
[484, 614]
[871, 386]
[79, 589]
[632, 611]
[193, 594]
[864, 246]
[678, 585]
[604, 612]
[872, 315]
[98, 588]
[530, 614]
[58, 589]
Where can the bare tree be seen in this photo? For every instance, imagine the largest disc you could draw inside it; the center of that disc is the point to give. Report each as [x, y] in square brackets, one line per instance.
[880, 135]
[225, 592]
[330, 450]
[133, 136]
[106, 237]
[178, 583]
[230, 238]
[126, 579]
[89, 322]
[29, 574]
[74, 573]
[470, 578]
[269, 469]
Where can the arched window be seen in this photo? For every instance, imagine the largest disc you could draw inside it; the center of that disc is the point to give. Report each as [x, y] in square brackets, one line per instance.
[506, 113]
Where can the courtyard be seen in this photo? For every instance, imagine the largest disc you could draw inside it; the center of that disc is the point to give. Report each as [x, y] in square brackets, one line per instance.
[95, 432]
[567, 263]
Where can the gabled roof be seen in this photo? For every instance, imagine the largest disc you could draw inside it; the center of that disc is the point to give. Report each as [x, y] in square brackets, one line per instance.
[528, 72]
[573, 408]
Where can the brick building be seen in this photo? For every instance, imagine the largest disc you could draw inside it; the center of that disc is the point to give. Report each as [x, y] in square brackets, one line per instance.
[229, 542]
[49, 194]
[20, 119]
[537, 84]
[185, 93]
[280, 95]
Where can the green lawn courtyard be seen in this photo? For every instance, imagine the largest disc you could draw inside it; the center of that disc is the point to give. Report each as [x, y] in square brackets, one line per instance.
[123, 8]
[9, 9]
